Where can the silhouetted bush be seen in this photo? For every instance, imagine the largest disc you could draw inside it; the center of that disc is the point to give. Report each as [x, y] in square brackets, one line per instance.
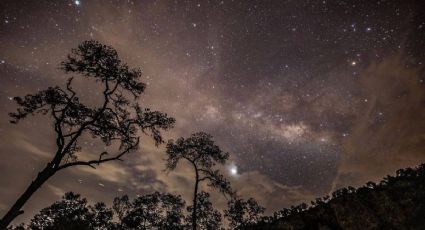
[397, 202]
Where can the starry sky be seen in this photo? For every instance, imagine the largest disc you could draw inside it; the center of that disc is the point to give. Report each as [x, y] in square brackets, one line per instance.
[306, 95]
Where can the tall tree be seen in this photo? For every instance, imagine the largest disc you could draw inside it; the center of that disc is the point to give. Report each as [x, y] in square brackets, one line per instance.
[117, 119]
[201, 152]
[151, 211]
[243, 213]
[208, 218]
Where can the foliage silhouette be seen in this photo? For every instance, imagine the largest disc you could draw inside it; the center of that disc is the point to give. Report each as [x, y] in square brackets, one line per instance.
[397, 202]
[160, 211]
[242, 213]
[72, 212]
[151, 211]
[200, 152]
[207, 217]
[117, 120]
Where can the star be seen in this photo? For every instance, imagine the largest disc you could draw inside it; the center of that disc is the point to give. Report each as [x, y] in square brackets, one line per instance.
[233, 170]
[277, 87]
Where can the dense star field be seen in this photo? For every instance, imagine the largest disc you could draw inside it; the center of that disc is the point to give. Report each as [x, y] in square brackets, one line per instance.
[306, 96]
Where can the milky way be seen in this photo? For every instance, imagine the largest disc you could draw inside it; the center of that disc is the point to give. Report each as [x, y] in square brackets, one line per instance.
[307, 96]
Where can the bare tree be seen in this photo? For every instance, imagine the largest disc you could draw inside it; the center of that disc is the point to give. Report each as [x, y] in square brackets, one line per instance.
[201, 152]
[116, 120]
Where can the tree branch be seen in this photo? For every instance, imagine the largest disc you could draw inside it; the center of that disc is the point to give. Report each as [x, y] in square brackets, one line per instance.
[100, 160]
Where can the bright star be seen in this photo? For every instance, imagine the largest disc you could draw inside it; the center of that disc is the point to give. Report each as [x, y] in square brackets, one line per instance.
[233, 170]
[77, 2]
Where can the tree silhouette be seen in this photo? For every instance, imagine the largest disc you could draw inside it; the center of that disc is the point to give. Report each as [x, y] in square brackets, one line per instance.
[151, 211]
[72, 212]
[397, 202]
[201, 152]
[19, 227]
[117, 120]
[243, 213]
[208, 218]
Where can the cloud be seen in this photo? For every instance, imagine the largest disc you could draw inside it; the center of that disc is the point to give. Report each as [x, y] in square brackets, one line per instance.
[56, 190]
[31, 148]
[389, 130]
[111, 171]
[268, 192]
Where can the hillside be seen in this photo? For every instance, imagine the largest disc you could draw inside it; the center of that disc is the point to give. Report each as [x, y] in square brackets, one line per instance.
[397, 202]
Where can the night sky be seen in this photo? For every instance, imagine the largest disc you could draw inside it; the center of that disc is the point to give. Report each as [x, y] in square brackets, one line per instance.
[307, 96]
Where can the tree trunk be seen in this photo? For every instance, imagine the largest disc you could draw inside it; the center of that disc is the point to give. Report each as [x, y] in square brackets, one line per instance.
[15, 210]
[195, 202]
